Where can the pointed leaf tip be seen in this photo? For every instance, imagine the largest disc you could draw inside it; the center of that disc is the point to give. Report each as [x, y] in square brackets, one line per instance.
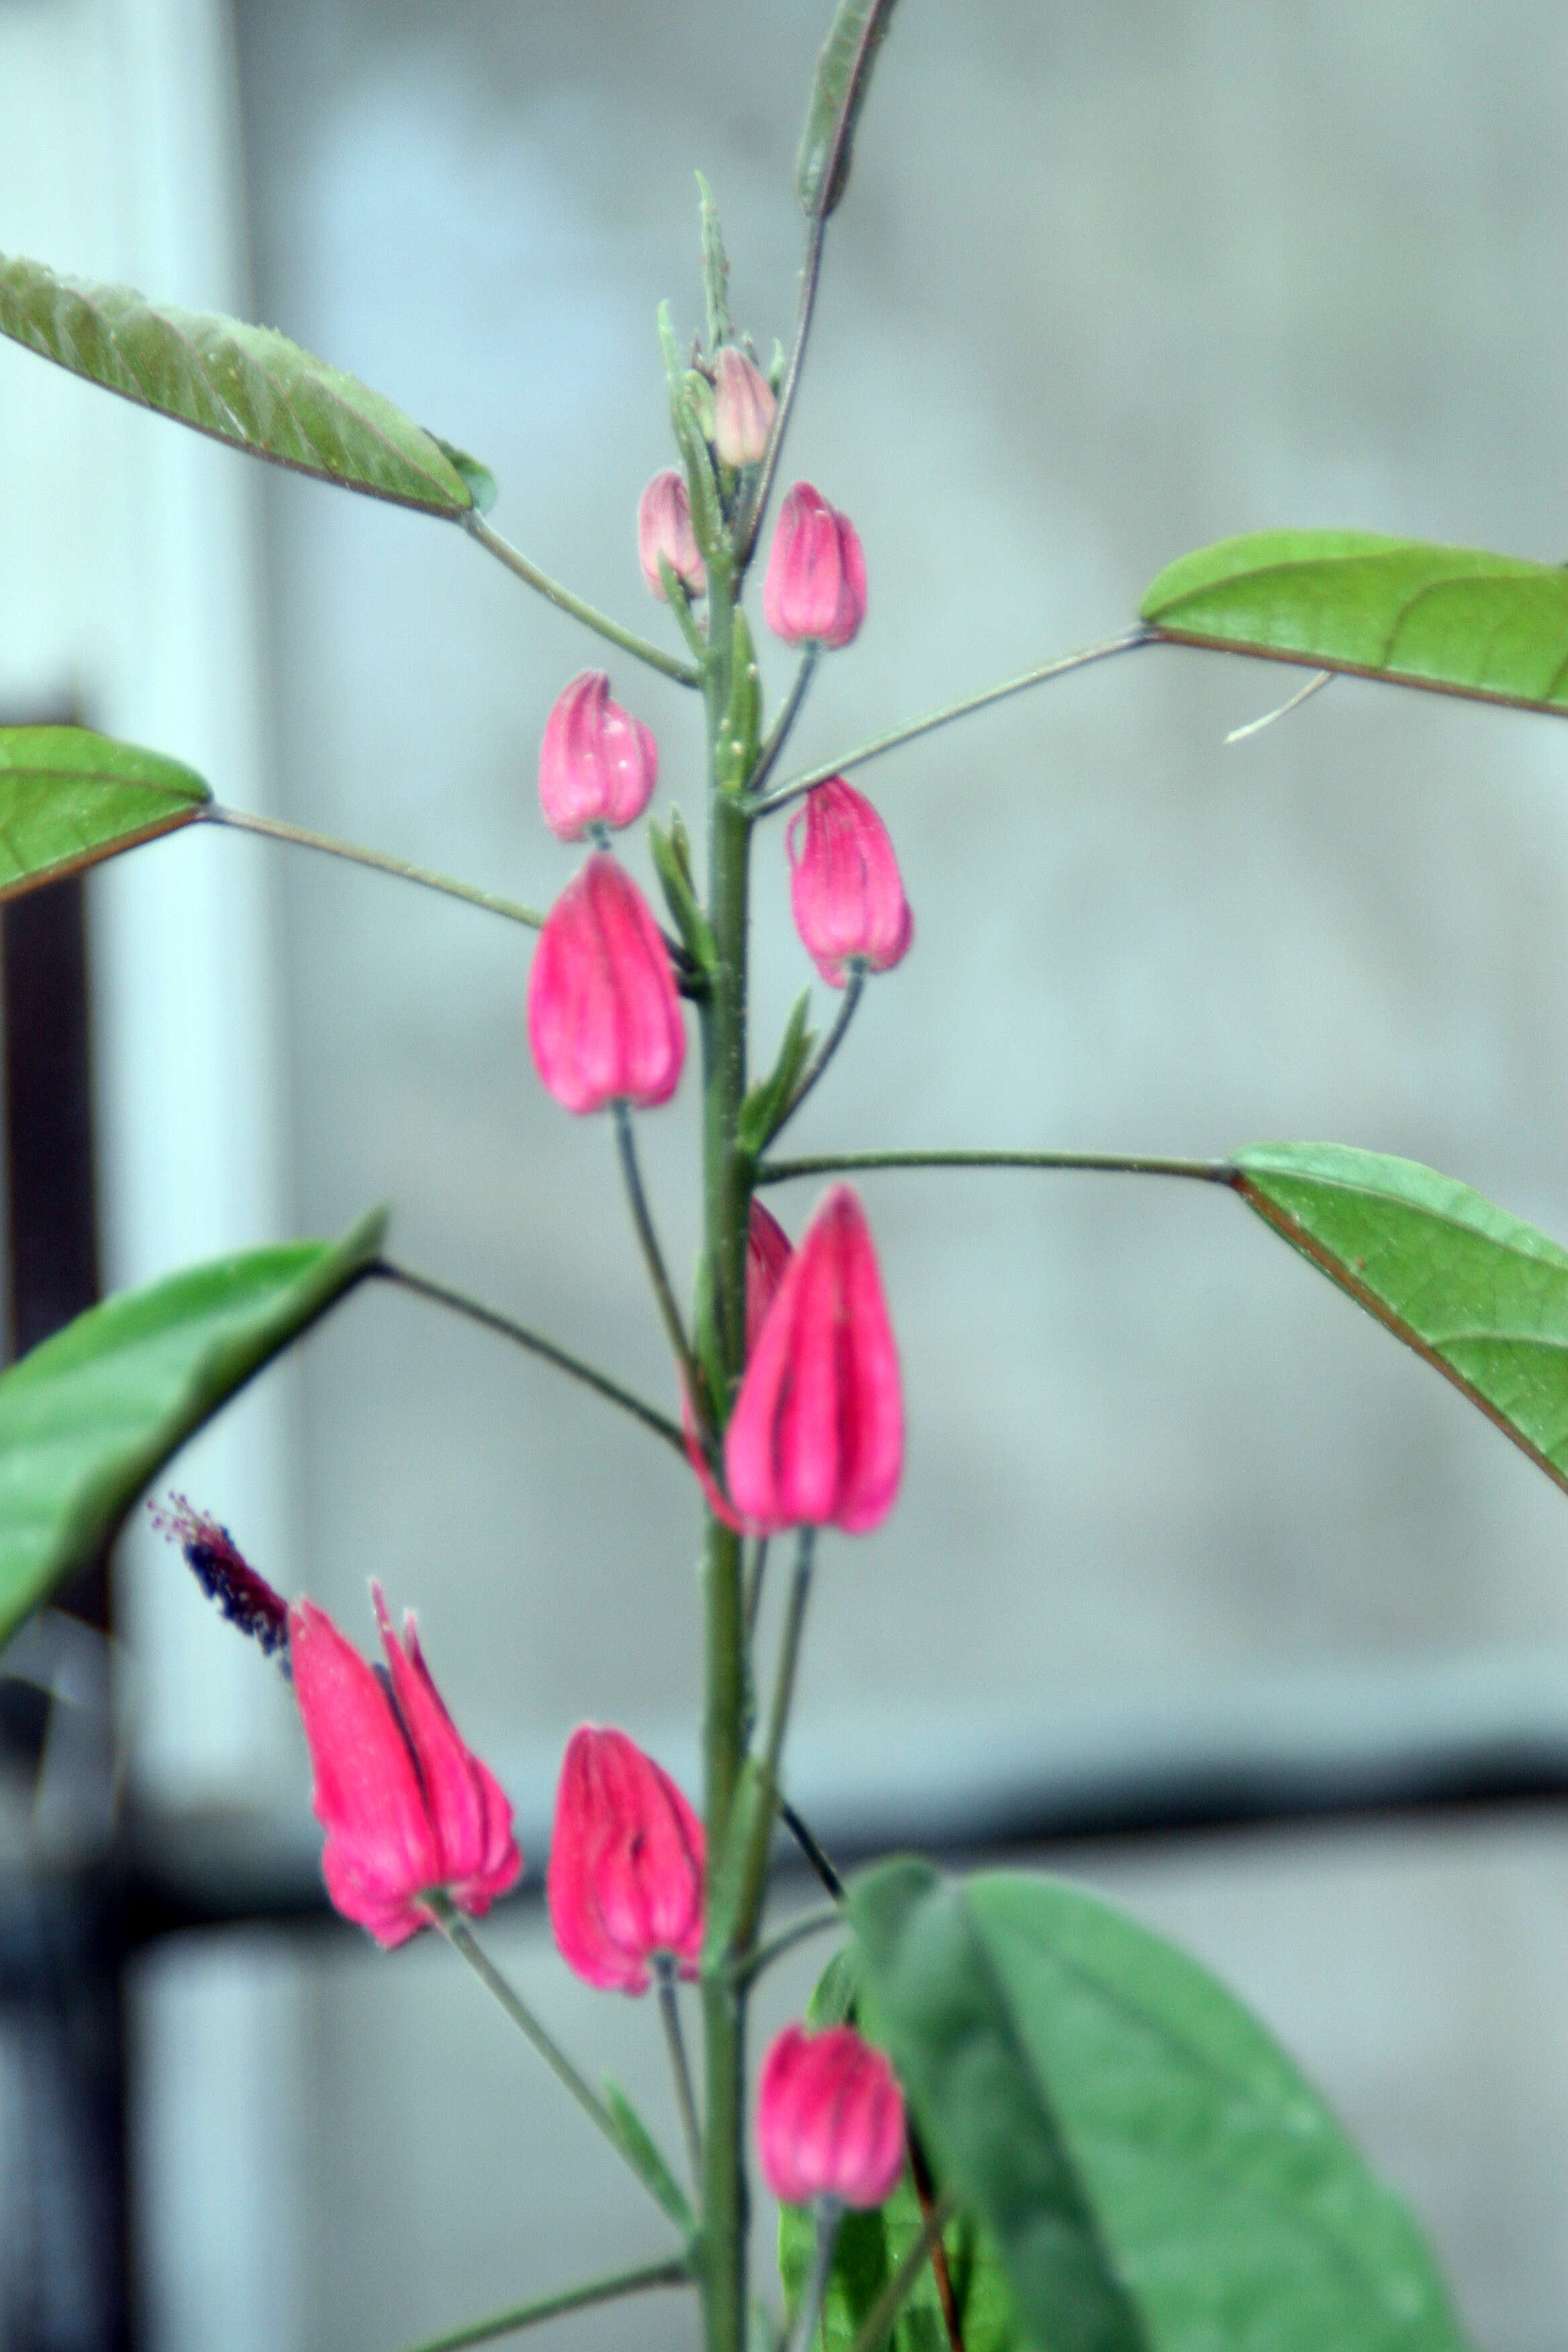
[248, 386]
[90, 1417]
[70, 798]
[838, 90]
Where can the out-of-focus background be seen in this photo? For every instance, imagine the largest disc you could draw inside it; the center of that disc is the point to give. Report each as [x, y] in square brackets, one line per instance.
[1178, 1527]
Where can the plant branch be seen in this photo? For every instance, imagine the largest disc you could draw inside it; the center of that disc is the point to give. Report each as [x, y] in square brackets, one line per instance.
[789, 711]
[754, 1867]
[761, 489]
[1112, 1163]
[829, 2219]
[675, 2041]
[444, 1912]
[653, 1256]
[896, 2294]
[551, 2307]
[830, 1044]
[563, 598]
[806, 1839]
[573, 1365]
[274, 829]
[1128, 642]
[810, 1923]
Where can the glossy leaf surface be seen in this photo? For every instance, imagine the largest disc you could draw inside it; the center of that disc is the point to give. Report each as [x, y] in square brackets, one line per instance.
[89, 1417]
[68, 797]
[838, 91]
[247, 385]
[1448, 618]
[1156, 2173]
[1480, 1295]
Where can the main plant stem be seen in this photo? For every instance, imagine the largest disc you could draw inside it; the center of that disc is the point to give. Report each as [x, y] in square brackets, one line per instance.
[726, 1205]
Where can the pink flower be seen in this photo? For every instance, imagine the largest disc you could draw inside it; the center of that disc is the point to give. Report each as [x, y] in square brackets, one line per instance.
[604, 1018]
[664, 527]
[597, 764]
[846, 892]
[815, 585]
[409, 1809]
[743, 407]
[768, 1251]
[626, 1859]
[816, 1437]
[830, 2119]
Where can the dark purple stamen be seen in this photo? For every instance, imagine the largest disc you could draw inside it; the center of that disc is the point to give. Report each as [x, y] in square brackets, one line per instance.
[225, 1575]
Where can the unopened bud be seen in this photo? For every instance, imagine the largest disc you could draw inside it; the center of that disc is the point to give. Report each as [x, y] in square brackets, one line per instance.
[626, 1859]
[846, 892]
[664, 529]
[604, 1018]
[830, 2119]
[597, 764]
[815, 586]
[742, 409]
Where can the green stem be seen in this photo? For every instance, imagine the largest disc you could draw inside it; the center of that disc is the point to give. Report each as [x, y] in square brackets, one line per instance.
[445, 1914]
[829, 2218]
[273, 828]
[653, 1256]
[830, 1044]
[1128, 642]
[565, 602]
[573, 1365]
[879, 2319]
[1114, 1163]
[551, 2307]
[757, 506]
[778, 734]
[811, 1923]
[755, 1867]
[675, 2042]
[726, 1191]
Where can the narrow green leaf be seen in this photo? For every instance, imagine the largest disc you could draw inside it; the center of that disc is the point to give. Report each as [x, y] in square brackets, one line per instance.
[89, 1417]
[1155, 2170]
[247, 385]
[1481, 1296]
[68, 797]
[767, 1101]
[838, 92]
[1448, 618]
[644, 2154]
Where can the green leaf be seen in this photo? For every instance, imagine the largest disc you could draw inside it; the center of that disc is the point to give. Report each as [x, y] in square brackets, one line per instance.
[1155, 2172]
[838, 92]
[1481, 1296]
[643, 2153]
[767, 1101]
[68, 797]
[245, 385]
[480, 482]
[89, 1417]
[1448, 618]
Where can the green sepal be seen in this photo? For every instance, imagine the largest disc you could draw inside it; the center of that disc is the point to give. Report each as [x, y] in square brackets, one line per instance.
[707, 514]
[763, 1111]
[739, 735]
[715, 268]
[643, 2154]
[674, 872]
[698, 394]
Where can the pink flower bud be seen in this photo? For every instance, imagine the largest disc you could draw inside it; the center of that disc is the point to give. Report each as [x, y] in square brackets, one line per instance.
[626, 1859]
[664, 527]
[409, 1809]
[604, 1018]
[830, 2119]
[768, 1251]
[815, 585]
[597, 764]
[743, 409]
[817, 1438]
[845, 890]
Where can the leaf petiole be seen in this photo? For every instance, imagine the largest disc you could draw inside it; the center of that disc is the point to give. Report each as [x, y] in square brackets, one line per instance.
[675, 2273]
[564, 601]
